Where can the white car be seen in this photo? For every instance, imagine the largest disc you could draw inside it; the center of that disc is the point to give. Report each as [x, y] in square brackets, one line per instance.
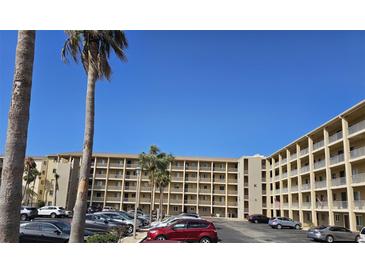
[362, 236]
[108, 208]
[51, 211]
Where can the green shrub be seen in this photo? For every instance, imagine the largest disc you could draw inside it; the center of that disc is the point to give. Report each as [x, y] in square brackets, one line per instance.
[103, 238]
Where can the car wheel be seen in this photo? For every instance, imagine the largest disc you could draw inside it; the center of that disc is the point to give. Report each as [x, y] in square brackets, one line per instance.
[161, 238]
[297, 227]
[329, 239]
[256, 221]
[130, 229]
[205, 240]
[53, 215]
[357, 239]
[23, 217]
[279, 227]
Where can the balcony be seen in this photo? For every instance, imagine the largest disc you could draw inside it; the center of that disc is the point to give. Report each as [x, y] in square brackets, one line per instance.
[118, 165]
[359, 205]
[130, 188]
[188, 167]
[131, 177]
[285, 205]
[357, 152]
[178, 190]
[357, 127]
[232, 169]
[146, 200]
[276, 164]
[294, 172]
[337, 159]
[177, 179]
[101, 176]
[285, 175]
[146, 188]
[306, 205]
[304, 169]
[132, 165]
[305, 187]
[208, 180]
[232, 181]
[340, 205]
[219, 180]
[335, 137]
[191, 179]
[129, 200]
[191, 190]
[217, 191]
[294, 188]
[207, 191]
[99, 187]
[219, 168]
[277, 178]
[340, 181]
[176, 167]
[232, 203]
[293, 157]
[114, 187]
[204, 202]
[318, 145]
[320, 184]
[284, 190]
[191, 202]
[284, 161]
[264, 192]
[322, 205]
[319, 164]
[245, 197]
[98, 199]
[232, 192]
[304, 151]
[295, 205]
[206, 168]
[113, 199]
[101, 164]
[358, 178]
[221, 203]
[115, 176]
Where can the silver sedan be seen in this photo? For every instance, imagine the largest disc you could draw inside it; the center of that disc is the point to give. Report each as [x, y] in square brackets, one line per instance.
[332, 234]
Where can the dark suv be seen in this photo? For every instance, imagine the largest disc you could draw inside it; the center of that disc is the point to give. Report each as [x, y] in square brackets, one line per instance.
[258, 218]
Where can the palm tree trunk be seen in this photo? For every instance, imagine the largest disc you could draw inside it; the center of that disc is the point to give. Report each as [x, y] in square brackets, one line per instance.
[78, 220]
[161, 201]
[152, 196]
[16, 139]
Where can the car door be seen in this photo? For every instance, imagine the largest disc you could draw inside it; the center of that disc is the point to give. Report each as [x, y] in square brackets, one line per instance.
[179, 232]
[347, 235]
[195, 228]
[338, 233]
[30, 233]
[50, 233]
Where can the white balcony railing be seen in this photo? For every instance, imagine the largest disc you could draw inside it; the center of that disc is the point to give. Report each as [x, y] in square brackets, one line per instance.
[337, 159]
[357, 127]
[319, 164]
[293, 156]
[320, 184]
[294, 205]
[294, 188]
[340, 181]
[318, 145]
[335, 137]
[285, 205]
[285, 175]
[340, 204]
[359, 205]
[294, 172]
[306, 205]
[284, 161]
[321, 204]
[357, 152]
[305, 187]
[304, 151]
[358, 178]
[304, 169]
[284, 190]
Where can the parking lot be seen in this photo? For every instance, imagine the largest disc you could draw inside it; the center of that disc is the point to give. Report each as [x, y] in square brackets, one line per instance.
[232, 231]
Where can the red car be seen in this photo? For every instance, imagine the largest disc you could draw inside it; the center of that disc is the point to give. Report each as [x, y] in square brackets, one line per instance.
[186, 230]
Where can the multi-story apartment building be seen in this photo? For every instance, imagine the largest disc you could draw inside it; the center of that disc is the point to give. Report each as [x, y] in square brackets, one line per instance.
[226, 187]
[317, 179]
[320, 177]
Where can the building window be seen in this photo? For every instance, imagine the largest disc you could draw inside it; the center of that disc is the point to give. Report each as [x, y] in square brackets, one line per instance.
[337, 218]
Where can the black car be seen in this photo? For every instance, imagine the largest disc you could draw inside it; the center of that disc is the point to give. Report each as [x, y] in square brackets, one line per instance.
[47, 231]
[101, 224]
[258, 218]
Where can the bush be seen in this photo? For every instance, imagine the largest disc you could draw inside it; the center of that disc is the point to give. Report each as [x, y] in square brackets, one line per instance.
[103, 238]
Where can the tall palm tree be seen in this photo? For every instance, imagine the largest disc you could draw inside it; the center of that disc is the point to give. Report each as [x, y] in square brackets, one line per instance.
[16, 138]
[30, 175]
[55, 187]
[93, 47]
[163, 179]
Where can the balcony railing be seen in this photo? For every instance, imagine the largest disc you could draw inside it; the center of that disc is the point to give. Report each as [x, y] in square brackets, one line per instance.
[359, 205]
[245, 197]
[219, 203]
[131, 177]
[232, 181]
[217, 191]
[357, 152]
[285, 175]
[98, 199]
[276, 178]
[115, 176]
[231, 203]
[219, 180]
[177, 179]
[113, 199]
[232, 192]
[340, 204]
[179, 190]
[177, 167]
[191, 167]
[306, 205]
[192, 202]
[318, 145]
[191, 179]
[130, 200]
[294, 172]
[305, 187]
[191, 190]
[357, 127]
[285, 205]
[219, 168]
[264, 191]
[205, 179]
[208, 168]
[202, 190]
[358, 178]
[294, 188]
[204, 202]
[101, 164]
[337, 159]
[284, 161]
[232, 169]
[276, 164]
[114, 187]
[294, 205]
[96, 187]
[319, 164]
[132, 165]
[120, 165]
[284, 190]
[145, 188]
[304, 151]
[340, 181]
[320, 184]
[335, 137]
[322, 205]
[293, 156]
[103, 176]
[130, 188]
[304, 169]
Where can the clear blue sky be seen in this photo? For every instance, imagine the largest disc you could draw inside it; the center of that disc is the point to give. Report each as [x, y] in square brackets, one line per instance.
[198, 93]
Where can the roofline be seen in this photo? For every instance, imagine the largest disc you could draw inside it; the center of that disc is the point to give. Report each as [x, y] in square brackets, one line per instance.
[343, 114]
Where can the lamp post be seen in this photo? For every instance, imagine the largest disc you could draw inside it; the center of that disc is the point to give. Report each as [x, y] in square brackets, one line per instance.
[139, 176]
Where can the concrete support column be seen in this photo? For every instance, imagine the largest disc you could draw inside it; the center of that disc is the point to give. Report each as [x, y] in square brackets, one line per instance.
[281, 185]
[106, 181]
[184, 182]
[93, 182]
[300, 196]
[226, 188]
[289, 184]
[274, 203]
[331, 219]
[168, 191]
[312, 179]
[197, 190]
[211, 187]
[123, 183]
[348, 170]
[268, 192]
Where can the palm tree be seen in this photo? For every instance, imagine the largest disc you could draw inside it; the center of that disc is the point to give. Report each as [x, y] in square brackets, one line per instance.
[30, 175]
[163, 179]
[55, 188]
[16, 138]
[154, 163]
[93, 47]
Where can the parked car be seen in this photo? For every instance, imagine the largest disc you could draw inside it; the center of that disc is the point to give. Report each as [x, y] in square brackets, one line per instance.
[28, 213]
[258, 218]
[281, 222]
[117, 217]
[186, 230]
[332, 234]
[362, 236]
[144, 221]
[69, 213]
[49, 231]
[51, 211]
[108, 208]
[192, 215]
[140, 213]
[102, 224]
[169, 220]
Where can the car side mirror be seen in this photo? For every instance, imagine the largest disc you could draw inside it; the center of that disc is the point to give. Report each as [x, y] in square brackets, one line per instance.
[57, 232]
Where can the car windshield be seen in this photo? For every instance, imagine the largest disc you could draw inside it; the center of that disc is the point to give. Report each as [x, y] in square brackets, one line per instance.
[61, 208]
[169, 219]
[320, 227]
